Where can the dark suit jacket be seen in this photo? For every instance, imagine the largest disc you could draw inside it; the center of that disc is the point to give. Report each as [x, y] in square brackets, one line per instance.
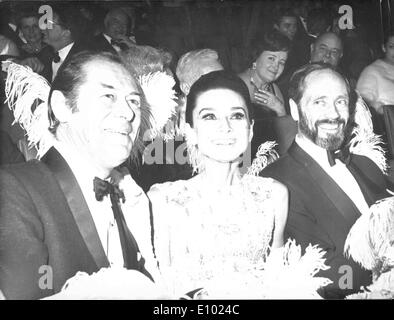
[9, 152]
[321, 213]
[99, 43]
[45, 221]
[47, 58]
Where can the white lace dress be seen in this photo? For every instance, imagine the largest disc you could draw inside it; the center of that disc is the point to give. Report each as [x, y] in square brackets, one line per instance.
[202, 236]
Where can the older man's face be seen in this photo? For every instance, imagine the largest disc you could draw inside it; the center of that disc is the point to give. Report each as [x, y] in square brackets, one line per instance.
[327, 49]
[54, 35]
[324, 109]
[116, 24]
[108, 113]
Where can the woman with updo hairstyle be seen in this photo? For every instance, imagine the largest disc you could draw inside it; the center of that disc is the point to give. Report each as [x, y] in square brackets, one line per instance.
[222, 220]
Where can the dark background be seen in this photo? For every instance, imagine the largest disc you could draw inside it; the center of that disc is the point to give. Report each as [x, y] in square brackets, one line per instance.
[228, 26]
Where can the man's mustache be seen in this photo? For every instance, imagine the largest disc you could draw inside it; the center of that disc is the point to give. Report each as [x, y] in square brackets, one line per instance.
[327, 121]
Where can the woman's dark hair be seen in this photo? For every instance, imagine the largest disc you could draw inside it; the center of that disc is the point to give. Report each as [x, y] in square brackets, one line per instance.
[271, 41]
[217, 80]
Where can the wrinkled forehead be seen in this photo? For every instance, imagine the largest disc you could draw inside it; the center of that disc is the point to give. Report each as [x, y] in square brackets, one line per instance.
[324, 82]
[331, 42]
[118, 16]
[110, 74]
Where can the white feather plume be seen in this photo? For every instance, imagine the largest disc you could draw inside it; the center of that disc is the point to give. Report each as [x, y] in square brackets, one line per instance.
[161, 99]
[369, 145]
[265, 155]
[364, 141]
[289, 274]
[362, 115]
[27, 94]
[370, 241]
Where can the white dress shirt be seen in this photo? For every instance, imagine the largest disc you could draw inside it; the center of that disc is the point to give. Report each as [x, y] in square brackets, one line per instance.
[117, 48]
[135, 211]
[62, 54]
[339, 173]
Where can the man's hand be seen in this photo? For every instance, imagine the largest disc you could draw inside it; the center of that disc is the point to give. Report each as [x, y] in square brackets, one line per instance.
[33, 62]
[270, 100]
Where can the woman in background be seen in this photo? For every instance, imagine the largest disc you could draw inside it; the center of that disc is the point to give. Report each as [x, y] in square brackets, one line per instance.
[272, 121]
[376, 82]
[269, 59]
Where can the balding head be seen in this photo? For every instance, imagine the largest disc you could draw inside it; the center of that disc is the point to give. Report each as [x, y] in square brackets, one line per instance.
[327, 48]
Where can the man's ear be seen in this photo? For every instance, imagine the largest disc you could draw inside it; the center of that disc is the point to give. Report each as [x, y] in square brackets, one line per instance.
[251, 131]
[276, 27]
[293, 110]
[383, 48]
[312, 48]
[185, 88]
[59, 106]
[67, 33]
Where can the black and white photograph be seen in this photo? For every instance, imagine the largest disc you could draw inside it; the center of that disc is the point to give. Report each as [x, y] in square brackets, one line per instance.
[210, 150]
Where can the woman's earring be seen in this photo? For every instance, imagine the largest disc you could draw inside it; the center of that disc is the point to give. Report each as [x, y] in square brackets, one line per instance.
[254, 65]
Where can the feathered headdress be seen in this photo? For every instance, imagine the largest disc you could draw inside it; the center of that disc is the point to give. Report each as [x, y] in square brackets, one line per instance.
[364, 141]
[27, 95]
[265, 155]
[370, 241]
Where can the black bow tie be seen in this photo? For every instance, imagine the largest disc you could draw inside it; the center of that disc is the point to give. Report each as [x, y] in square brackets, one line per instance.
[56, 57]
[103, 188]
[114, 42]
[119, 44]
[342, 155]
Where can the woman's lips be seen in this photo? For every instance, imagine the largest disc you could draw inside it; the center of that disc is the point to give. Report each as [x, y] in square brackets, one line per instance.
[224, 142]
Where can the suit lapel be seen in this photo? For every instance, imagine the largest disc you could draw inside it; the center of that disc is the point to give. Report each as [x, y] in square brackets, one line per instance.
[77, 205]
[346, 212]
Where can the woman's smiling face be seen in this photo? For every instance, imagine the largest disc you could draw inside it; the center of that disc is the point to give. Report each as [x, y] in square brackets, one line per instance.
[270, 65]
[222, 125]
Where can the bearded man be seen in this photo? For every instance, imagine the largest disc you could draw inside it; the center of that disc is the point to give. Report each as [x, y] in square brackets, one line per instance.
[326, 195]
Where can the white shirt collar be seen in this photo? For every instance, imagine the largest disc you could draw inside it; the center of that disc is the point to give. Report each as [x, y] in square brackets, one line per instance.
[81, 169]
[107, 37]
[319, 154]
[64, 52]
[117, 48]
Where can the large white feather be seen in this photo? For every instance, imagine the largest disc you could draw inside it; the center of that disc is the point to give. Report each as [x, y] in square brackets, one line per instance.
[364, 141]
[370, 241]
[27, 94]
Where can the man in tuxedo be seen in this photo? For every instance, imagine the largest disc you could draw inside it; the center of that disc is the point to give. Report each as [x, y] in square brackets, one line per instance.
[327, 195]
[55, 217]
[62, 34]
[117, 25]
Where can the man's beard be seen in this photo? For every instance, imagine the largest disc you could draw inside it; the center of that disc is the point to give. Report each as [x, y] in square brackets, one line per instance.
[331, 142]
